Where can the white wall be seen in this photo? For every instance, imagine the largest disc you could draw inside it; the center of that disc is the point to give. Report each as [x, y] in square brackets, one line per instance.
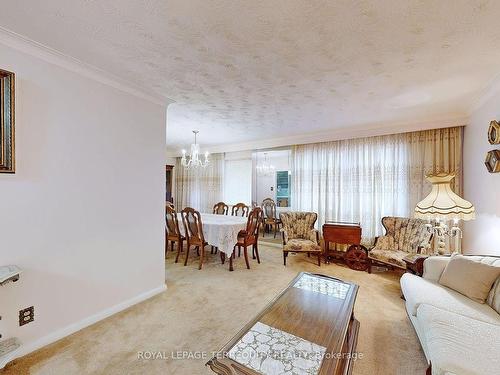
[482, 236]
[238, 177]
[83, 214]
[238, 182]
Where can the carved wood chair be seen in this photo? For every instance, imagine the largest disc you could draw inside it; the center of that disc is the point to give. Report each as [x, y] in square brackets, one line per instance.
[267, 200]
[240, 209]
[172, 232]
[249, 237]
[270, 218]
[299, 235]
[221, 209]
[193, 229]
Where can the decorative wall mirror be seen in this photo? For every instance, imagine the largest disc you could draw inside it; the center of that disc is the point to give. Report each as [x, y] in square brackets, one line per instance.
[493, 161]
[494, 133]
[7, 93]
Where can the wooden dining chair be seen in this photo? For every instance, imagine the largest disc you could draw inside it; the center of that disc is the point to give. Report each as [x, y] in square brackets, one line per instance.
[270, 218]
[249, 237]
[172, 232]
[221, 209]
[193, 229]
[240, 209]
[267, 200]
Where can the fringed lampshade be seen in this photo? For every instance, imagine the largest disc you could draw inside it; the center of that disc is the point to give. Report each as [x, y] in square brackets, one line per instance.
[442, 203]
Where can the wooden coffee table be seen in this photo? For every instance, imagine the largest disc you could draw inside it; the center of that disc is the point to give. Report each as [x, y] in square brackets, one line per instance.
[310, 325]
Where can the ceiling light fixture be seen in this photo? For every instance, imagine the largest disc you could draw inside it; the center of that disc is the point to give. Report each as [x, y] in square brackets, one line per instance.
[265, 168]
[193, 161]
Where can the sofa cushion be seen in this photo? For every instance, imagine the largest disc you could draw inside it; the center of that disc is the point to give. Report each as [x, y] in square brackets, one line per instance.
[459, 345]
[300, 245]
[471, 278]
[434, 267]
[394, 257]
[419, 291]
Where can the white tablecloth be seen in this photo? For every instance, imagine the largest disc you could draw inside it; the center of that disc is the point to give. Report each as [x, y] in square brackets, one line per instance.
[220, 230]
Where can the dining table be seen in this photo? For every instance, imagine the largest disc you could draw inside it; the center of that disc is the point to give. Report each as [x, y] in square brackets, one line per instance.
[220, 231]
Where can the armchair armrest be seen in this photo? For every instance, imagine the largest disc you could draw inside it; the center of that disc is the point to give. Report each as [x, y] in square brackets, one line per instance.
[434, 267]
[284, 236]
[314, 235]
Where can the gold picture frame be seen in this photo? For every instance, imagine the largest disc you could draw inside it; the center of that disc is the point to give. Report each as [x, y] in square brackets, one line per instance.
[493, 161]
[7, 122]
[494, 133]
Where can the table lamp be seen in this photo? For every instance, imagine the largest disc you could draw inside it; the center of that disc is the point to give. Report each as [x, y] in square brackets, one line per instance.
[443, 205]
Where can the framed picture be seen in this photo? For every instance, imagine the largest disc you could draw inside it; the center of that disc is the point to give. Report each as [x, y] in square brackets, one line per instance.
[7, 94]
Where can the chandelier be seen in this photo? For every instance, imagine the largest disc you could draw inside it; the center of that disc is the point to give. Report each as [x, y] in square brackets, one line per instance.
[265, 168]
[193, 161]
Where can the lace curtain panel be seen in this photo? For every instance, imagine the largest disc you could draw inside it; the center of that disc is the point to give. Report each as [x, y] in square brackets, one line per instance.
[363, 180]
[202, 188]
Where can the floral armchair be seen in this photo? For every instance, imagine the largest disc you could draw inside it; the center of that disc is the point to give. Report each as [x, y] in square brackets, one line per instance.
[403, 236]
[299, 235]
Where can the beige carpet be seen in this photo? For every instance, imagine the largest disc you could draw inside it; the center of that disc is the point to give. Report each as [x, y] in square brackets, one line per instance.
[202, 310]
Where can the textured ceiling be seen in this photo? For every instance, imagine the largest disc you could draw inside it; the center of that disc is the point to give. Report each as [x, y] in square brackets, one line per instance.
[247, 70]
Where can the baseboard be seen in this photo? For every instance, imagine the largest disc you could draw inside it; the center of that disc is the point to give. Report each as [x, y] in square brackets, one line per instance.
[72, 328]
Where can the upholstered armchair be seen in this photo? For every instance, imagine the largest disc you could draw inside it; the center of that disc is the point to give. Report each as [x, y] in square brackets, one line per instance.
[299, 235]
[403, 236]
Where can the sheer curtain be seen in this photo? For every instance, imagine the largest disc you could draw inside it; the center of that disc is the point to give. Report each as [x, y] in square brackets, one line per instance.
[434, 151]
[362, 180]
[200, 189]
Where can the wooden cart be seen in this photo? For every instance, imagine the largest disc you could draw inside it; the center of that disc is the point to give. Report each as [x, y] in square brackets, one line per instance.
[343, 233]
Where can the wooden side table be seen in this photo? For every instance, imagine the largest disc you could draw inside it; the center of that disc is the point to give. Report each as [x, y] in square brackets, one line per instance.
[415, 263]
[356, 256]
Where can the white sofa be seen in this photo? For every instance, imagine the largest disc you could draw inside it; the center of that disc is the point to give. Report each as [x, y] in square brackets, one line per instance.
[459, 336]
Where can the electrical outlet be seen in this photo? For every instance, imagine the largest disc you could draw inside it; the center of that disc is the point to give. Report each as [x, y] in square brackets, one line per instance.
[26, 315]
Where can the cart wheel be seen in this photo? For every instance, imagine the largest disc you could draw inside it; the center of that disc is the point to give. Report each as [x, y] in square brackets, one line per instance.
[356, 257]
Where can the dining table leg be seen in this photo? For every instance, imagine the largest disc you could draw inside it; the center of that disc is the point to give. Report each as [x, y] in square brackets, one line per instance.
[222, 257]
[231, 262]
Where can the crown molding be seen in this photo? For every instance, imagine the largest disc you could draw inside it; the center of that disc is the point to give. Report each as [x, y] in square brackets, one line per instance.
[50, 55]
[336, 135]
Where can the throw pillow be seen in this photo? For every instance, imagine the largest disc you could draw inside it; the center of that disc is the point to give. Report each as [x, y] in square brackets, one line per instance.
[470, 278]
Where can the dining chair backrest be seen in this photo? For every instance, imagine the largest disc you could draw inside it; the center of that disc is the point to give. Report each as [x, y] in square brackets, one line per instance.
[172, 223]
[221, 209]
[268, 200]
[269, 208]
[253, 222]
[240, 209]
[192, 225]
